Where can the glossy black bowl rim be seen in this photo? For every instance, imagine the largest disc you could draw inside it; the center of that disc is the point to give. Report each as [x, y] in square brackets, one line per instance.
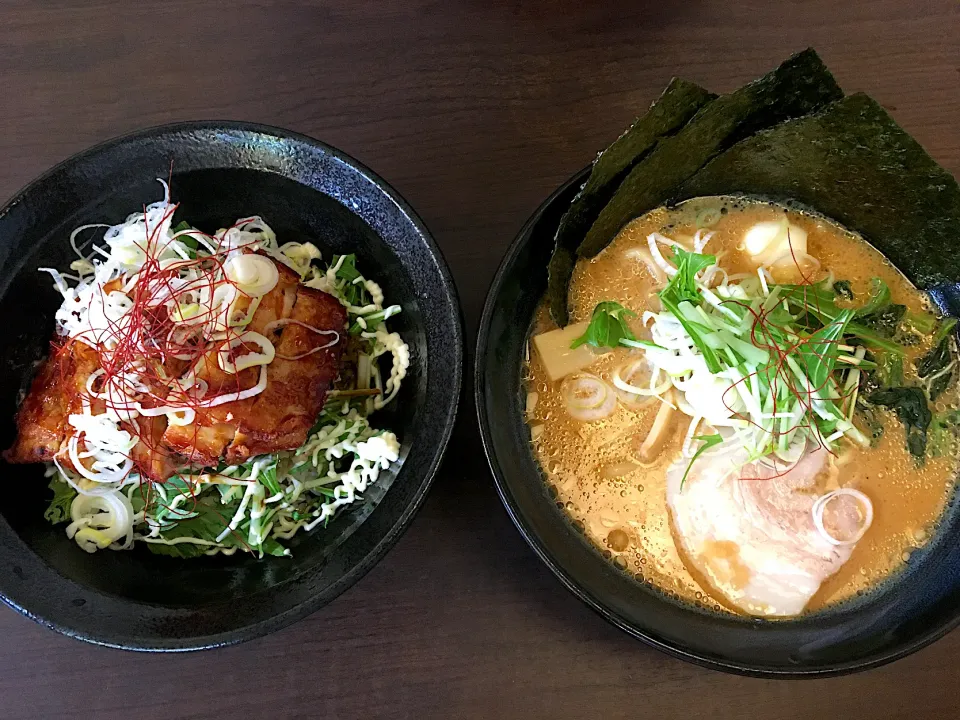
[582, 592]
[302, 610]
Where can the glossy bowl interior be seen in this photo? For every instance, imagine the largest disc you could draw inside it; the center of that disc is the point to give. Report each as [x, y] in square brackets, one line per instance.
[912, 609]
[306, 191]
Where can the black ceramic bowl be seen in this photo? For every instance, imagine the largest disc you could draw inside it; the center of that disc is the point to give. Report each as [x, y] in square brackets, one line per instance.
[305, 190]
[913, 609]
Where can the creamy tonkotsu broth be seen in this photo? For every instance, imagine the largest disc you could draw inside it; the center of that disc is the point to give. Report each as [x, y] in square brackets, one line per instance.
[740, 533]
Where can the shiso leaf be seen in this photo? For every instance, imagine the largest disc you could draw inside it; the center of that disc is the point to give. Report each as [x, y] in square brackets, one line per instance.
[801, 85]
[63, 495]
[853, 163]
[671, 111]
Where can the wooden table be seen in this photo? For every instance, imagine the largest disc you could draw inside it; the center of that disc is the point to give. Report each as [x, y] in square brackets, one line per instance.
[474, 110]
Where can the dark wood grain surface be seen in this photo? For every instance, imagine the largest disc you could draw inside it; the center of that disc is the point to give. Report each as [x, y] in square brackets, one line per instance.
[474, 110]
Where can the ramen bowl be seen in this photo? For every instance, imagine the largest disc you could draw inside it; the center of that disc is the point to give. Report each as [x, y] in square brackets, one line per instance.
[900, 615]
[307, 191]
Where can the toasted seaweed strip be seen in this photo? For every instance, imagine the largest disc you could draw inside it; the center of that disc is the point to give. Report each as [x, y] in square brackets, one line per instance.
[853, 163]
[801, 85]
[671, 111]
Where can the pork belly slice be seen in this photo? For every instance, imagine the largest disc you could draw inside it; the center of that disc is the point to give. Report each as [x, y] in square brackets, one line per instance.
[56, 391]
[150, 456]
[205, 440]
[282, 415]
[748, 530]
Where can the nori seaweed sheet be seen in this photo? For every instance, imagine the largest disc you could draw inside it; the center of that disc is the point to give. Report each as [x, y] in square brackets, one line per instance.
[802, 84]
[671, 111]
[853, 163]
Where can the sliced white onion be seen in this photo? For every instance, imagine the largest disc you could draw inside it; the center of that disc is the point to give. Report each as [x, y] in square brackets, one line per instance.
[642, 255]
[235, 320]
[700, 240]
[100, 520]
[588, 398]
[662, 425]
[821, 504]
[255, 275]
[688, 439]
[652, 240]
[251, 359]
[627, 378]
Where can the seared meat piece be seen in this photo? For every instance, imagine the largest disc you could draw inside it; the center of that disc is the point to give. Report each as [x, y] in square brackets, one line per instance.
[205, 440]
[280, 417]
[56, 391]
[276, 419]
[151, 457]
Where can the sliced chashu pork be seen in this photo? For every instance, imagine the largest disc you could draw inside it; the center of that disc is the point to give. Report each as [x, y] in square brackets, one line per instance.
[206, 439]
[279, 417]
[56, 391]
[750, 533]
[306, 365]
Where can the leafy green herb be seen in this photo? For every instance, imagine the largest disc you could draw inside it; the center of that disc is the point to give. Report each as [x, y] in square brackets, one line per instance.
[890, 369]
[682, 293]
[885, 321]
[353, 291]
[607, 326]
[373, 320]
[683, 286]
[709, 441]
[910, 405]
[818, 355]
[819, 301]
[879, 297]
[936, 367]
[63, 494]
[268, 478]
[207, 520]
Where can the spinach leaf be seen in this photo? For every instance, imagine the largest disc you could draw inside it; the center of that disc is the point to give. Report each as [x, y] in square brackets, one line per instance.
[59, 509]
[886, 320]
[910, 405]
[938, 357]
[843, 290]
[871, 418]
[943, 433]
[936, 367]
[890, 369]
[607, 326]
[879, 297]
